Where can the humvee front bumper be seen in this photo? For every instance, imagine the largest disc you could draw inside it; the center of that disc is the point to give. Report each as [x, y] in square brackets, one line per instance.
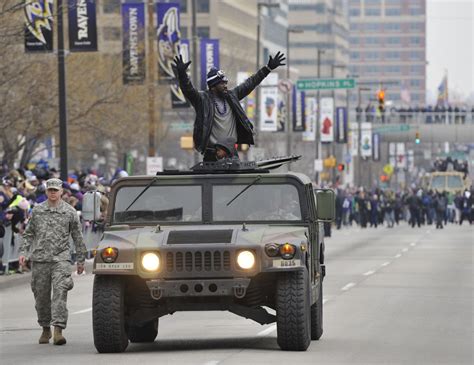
[160, 288]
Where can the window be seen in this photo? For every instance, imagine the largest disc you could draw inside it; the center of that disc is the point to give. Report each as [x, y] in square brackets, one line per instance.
[372, 12]
[203, 32]
[415, 40]
[184, 32]
[373, 2]
[111, 6]
[372, 27]
[371, 56]
[355, 55]
[415, 83]
[415, 11]
[417, 69]
[415, 55]
[258, 203]
[393, 69]
[202, 6]
[354, 26]
[371, 40]
[392, 27]
[392, 55]
[353, 40]
[393, 40]
[183, 6]
[416, 27]
[111, 33]
[393, 12]
[354, 12]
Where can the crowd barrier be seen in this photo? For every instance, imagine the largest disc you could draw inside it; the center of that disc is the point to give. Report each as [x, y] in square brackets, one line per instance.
[11, 247]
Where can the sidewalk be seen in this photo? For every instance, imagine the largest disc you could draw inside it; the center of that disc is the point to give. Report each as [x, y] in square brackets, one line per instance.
[11, 280]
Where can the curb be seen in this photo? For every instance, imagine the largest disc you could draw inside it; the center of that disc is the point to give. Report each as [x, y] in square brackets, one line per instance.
[13, 280]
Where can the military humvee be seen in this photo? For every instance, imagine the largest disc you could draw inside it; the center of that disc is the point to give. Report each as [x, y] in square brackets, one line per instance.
[223, 236]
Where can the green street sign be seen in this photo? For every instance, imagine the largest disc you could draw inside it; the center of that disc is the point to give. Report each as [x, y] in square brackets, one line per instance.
[392, 128]
[325, 84]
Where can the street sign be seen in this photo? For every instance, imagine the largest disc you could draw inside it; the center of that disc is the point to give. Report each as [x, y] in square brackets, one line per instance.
[392, 128]
[325, 84]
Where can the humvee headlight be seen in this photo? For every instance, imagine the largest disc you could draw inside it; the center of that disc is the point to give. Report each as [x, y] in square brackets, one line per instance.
[287, 251]
[246, 260]
[109, 254]
[151, 261]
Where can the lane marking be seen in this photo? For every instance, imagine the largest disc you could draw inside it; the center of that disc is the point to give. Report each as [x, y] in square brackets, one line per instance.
[386, 263]
[267, 331]
[348, 286]
[398, 255]
[325, 300]
[370, 272]
[413, 244]
[405, 249]
[212, 362]
[83, 311]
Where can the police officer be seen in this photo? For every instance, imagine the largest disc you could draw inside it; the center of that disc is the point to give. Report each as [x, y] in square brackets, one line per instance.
[46, 245]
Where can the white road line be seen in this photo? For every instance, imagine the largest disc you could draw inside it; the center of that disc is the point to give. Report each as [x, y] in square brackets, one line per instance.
[398, 255]
[267, 330]
[212, 362]
[83, 311]
[413, 244]
[348, 286]
[386, 263]
[405, 249]
[370, 272]
[325, 300]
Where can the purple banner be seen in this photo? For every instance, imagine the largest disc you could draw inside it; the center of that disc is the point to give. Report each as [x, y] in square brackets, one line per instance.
[168, 37]
[376, 146]
[298, 101]
[133, 53]
[209, 58]
[82, 25]
[341, 125]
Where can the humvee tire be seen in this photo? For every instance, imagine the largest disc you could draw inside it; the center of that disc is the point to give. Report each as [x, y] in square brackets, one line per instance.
[108, 322]
[317, 316]
[144, 333]
[293, 311]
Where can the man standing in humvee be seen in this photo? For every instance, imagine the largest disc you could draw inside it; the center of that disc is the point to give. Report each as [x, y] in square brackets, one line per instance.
[219, 114]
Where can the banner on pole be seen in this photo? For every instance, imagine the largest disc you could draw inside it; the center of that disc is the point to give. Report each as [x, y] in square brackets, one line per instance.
[298, 110]
[366, 140]
[376, 146]
[82, 25]
[38, 26]
[354, 140]
[133, 53]
[169, 37]
[268, 108]
[326, 121]
[309, 135]
[248, 103]
[209, 58]
[341, 125]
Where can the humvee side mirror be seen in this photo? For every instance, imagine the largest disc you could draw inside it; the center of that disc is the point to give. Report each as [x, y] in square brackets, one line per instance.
[325, 204]
[91, 206]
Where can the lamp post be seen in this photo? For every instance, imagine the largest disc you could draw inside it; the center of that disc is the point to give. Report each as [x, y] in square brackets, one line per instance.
[359, 137]
[288, 95]
[318, 115]
[333, 147]
[257, 96]
[63, 148]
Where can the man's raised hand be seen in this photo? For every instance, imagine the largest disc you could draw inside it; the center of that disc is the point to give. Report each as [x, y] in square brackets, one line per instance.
[179, 64]
[276, 61]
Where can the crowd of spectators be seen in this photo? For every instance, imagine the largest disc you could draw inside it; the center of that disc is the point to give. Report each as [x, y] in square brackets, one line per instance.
[21, 189]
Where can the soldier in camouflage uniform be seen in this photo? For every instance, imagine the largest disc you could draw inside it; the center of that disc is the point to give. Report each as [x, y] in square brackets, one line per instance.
[46, 245]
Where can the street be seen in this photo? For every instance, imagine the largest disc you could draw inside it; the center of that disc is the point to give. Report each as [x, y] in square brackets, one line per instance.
[394, 296]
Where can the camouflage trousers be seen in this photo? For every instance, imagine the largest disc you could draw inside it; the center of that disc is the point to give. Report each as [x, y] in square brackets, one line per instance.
[55, 277]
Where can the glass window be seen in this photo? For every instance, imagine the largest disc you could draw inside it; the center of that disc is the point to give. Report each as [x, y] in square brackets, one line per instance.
[415, 55]
[415, 83]
[392, 27]
[416, 69]
[438, 182]
[355, 55]
[415, 40]
[371, 40]
[372, 11]
[415, 11]
[258, 203]
[371, 55]
[111, 6]
[202, 6]
[111, 33]
[416, 27]
[373, 2]
[354, 12]
[455, 182]
[392, 55]
[159, 203]
[353, 26]
[372, 27]
[354, 40]
[392, 69]
[393, 40]
[203, 32]
[393, 12]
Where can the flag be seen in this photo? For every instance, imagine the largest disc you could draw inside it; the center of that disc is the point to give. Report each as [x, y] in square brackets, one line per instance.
[443, 91]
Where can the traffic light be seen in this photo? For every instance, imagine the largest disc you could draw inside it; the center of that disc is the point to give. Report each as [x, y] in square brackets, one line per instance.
[381, 100]
[340, 167]
[384, 178]
[417, 138]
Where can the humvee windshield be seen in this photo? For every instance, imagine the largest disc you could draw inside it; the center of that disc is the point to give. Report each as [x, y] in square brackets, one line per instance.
[438, 182]
[183, 203]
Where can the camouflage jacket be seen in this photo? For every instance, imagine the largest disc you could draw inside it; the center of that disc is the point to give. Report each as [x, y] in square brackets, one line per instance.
[46, 237]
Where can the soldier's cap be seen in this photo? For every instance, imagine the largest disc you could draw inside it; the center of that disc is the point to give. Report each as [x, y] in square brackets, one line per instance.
[54, 183]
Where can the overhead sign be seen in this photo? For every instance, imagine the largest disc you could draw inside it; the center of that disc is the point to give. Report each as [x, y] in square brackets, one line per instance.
[392, 128]
[325, 84]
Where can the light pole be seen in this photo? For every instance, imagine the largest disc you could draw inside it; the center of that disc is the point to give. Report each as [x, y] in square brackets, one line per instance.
[359, 137]
[257, 96]
[318, 114]
[333, 147]
[288, 95]
[62, 95]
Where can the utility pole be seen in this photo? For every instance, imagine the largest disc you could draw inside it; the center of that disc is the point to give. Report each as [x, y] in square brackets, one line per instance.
[359, 138]
[318, 115]
[151, 82]
[62, 95]
[194, 56]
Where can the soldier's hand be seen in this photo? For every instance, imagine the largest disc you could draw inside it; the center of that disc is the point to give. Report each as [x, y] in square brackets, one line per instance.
[22, 261]
[179, 65]
[276, 61]
[80, 268]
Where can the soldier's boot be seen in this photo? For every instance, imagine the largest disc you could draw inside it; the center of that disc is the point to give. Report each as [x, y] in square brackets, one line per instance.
[58, 338]
[45, 335]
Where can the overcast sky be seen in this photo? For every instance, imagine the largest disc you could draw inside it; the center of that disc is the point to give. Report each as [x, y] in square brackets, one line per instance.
[450, 38]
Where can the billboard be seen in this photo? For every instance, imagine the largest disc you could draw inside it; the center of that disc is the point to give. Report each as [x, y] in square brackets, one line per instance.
[38, 26]
[82, 25]
[326, 120]
[133, 42]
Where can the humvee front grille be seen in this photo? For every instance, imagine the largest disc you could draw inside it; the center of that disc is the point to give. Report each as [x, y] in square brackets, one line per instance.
[188, 261]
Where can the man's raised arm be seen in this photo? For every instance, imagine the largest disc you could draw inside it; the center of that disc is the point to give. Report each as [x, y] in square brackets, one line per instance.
[179, 68]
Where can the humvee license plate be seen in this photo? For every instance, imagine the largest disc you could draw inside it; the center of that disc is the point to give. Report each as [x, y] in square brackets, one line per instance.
[115, 266]
[286, 263]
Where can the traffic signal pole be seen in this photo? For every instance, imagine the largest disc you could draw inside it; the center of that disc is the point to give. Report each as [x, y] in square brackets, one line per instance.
[62, 95]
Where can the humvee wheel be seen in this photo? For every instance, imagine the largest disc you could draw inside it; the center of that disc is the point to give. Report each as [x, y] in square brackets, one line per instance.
[108, 322]
[293, 311]
[144, 333]
[317, 316]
